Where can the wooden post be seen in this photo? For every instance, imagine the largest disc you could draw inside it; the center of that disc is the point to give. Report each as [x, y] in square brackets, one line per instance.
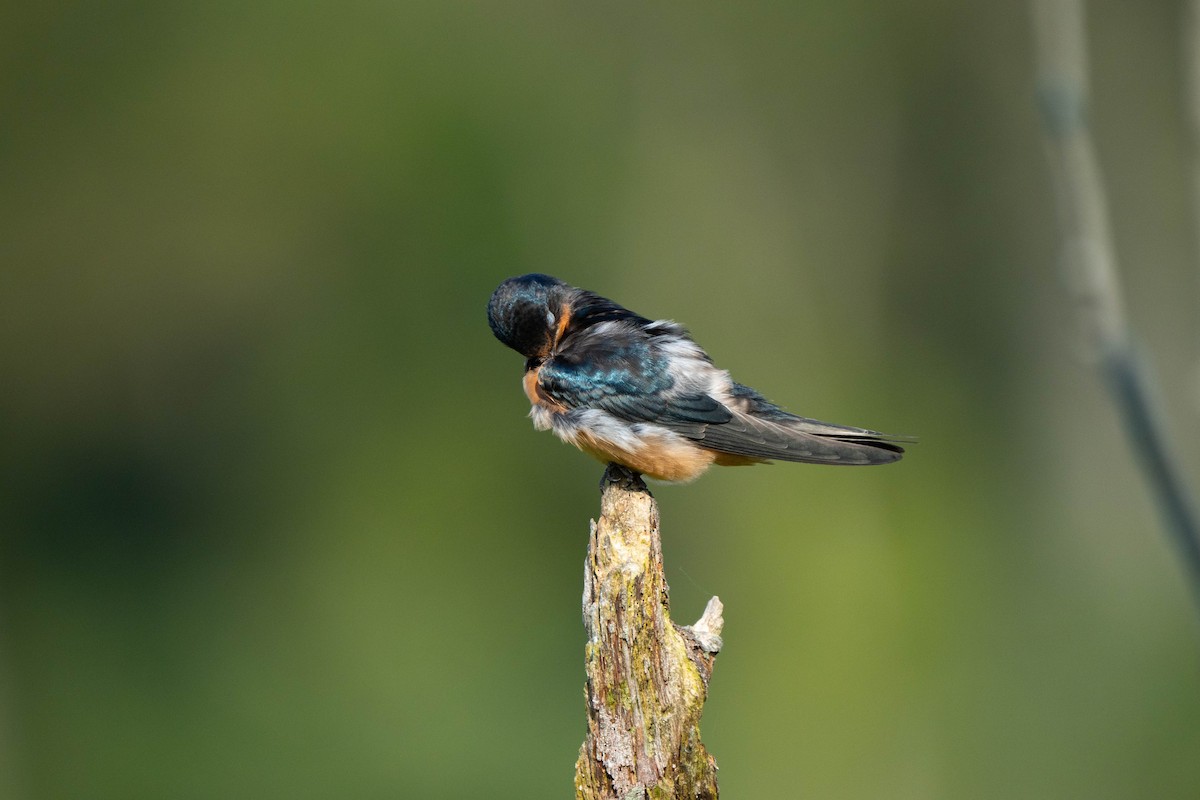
[647, 678]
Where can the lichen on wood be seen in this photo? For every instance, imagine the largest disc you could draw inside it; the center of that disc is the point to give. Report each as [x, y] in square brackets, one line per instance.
[647, 678]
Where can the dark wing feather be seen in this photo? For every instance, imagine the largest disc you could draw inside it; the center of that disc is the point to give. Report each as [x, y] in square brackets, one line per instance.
[624, 377]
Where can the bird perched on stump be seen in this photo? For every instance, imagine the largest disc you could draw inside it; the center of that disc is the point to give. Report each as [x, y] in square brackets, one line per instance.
[642, 394]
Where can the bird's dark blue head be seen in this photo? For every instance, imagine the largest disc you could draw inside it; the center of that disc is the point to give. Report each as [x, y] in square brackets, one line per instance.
[524, 311]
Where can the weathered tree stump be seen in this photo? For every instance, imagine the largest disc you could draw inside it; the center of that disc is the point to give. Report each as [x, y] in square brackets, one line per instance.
[647, 678]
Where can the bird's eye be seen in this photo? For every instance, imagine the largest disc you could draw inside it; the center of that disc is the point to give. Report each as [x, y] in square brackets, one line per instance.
[550, 319]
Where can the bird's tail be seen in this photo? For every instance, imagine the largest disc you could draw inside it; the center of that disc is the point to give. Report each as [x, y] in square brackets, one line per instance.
[760, 430]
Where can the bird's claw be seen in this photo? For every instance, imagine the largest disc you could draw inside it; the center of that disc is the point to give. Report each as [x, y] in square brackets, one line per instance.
[622, 476]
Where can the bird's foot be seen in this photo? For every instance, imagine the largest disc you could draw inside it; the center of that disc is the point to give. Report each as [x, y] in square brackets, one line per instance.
[623, 476]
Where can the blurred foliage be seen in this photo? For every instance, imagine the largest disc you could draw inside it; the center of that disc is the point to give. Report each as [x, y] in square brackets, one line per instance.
[272, 523]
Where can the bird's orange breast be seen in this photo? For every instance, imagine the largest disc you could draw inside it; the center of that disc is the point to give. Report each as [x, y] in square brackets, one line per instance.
[535, 394]
[663, 457]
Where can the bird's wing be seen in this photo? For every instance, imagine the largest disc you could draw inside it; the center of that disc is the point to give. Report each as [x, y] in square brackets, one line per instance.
[627, 379]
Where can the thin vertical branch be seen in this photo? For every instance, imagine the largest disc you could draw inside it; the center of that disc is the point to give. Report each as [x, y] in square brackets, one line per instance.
[1090, 261]
[1089, 256]
[1190, 30]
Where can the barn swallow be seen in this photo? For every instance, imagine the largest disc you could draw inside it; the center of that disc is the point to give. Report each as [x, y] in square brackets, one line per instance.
[642, 394]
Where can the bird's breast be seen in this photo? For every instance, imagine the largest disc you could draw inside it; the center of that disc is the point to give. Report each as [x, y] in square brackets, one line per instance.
[662, 456]
[536, 395]
[530, 386]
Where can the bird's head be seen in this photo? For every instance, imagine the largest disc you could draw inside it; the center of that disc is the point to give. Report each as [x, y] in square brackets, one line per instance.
[524, 312]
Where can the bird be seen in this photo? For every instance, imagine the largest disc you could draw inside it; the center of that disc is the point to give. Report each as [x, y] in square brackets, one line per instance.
[642, 394]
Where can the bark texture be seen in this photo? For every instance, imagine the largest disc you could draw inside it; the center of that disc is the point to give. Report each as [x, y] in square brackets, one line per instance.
[647, 678]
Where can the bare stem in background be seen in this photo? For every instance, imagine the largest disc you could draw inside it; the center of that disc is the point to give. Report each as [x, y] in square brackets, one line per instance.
[1191, 59]
[1090, 261]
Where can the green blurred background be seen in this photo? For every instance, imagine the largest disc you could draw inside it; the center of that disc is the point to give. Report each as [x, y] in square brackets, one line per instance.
[274, 524]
